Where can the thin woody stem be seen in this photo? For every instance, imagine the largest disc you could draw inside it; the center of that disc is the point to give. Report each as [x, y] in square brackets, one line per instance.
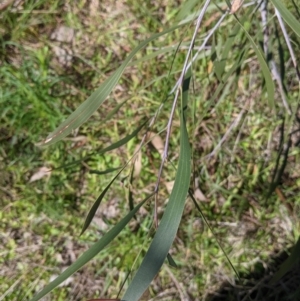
[178, 89]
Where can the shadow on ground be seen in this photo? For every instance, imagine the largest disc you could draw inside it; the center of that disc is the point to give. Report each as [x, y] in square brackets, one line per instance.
[256, 286]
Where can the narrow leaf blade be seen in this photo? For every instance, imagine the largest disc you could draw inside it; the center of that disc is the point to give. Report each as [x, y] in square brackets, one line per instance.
[92, 103]
[90, 253]
[123, 140]
[169, 224]
[100, 151]
[97, 203]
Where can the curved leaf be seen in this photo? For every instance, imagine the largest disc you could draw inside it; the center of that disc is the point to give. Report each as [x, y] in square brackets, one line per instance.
[97, 203]
[101, 151]
[169, 224]
[93, 102]
[123, 140]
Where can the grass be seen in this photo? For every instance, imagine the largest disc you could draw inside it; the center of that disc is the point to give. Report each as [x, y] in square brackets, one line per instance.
[42, 220]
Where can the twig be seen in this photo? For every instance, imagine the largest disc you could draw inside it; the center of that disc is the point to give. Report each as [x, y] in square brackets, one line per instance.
[201, 48]
[11, 288]
[274, 70]
[238, 139]
[7, 192]
[280, 86]
[234, 124]
[182, 292]
[287, 40]
[177, 86]
[180, 81]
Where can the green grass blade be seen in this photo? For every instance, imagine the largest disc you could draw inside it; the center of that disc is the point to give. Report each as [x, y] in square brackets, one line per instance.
[93, 102]
[169, 224]
[264, 67]
[100, 151]
[148, 57]
[96, 205]
[186, 9]
[223, 84]
[287, 16]
[213, 232]
[227, 48]
[171, 261]
[123, 140]
[103, 172]
[90, 253]
[114, 110]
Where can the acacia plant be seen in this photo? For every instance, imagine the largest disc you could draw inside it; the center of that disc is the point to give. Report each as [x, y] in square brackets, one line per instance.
[253, 23]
